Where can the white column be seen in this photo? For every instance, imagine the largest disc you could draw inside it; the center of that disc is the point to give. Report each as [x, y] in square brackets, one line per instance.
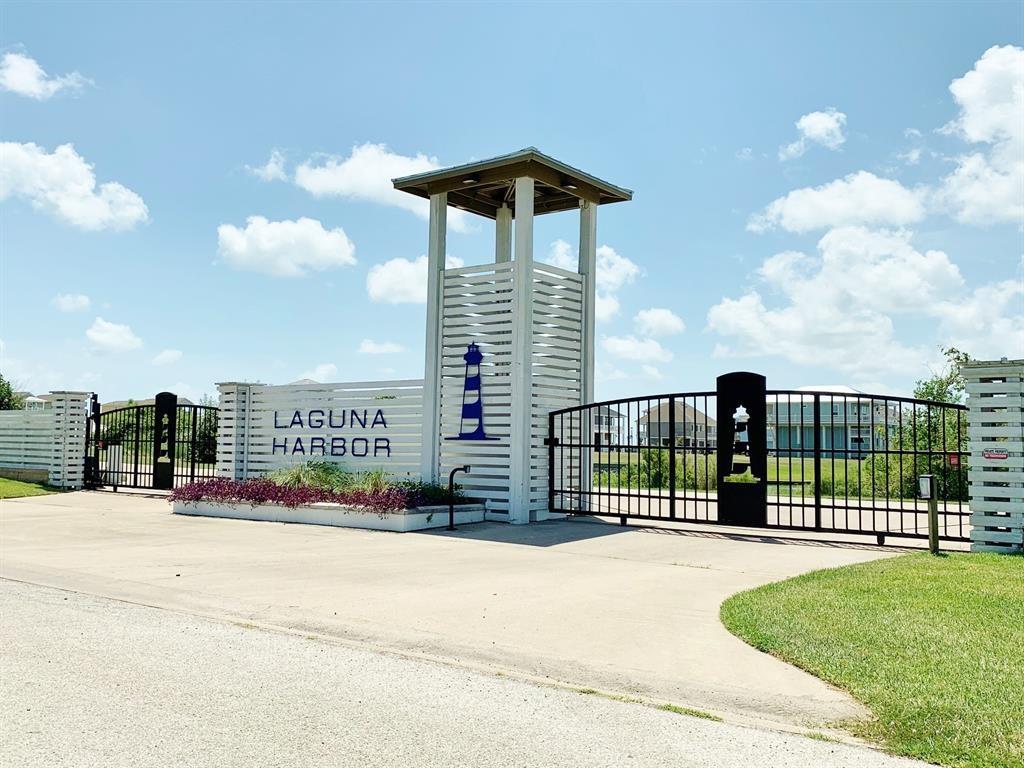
[588, 268]
[503, 235]
[67, 464]
[436, 249]
[522, 356]
[995, 471]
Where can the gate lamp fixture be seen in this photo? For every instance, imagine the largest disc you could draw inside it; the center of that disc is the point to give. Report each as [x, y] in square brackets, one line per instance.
[451, 495]
[924, 486]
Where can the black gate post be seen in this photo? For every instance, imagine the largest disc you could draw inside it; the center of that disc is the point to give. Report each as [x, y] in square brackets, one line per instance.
[92, 439]
[742, 464]
[164, 432]
[817, 463]
[672, 458]
[550, 443]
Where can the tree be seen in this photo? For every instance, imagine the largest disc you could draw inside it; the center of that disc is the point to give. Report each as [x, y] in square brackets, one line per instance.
[948, 385]
[9, 399]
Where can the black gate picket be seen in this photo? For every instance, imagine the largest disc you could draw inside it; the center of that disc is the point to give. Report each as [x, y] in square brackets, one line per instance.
[834, 462]
[159, 445]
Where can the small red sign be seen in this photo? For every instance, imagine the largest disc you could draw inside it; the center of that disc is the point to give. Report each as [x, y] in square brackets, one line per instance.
[954, 459]
[995, 454]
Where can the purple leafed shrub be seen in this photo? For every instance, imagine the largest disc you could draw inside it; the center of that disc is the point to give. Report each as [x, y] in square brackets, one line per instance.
[264, 491]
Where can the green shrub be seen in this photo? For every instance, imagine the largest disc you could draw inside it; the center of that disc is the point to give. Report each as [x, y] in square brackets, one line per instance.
[315, 474]
[324, 475]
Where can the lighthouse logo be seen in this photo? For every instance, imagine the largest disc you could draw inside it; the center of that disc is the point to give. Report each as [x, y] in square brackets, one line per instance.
[471, 425]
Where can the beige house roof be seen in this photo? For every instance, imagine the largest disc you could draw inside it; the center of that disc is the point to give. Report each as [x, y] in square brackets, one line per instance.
[684, 413]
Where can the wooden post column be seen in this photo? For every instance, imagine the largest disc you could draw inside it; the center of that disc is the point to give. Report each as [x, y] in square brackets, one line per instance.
[436, 250]
[522, 355]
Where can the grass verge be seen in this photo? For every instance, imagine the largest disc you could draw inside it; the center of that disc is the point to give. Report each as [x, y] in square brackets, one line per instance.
[934, 646]
[14, 489]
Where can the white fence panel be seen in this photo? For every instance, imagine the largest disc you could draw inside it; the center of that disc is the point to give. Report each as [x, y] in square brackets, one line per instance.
[50, 440]
[359, 425]
[996, 429]
[479, 308]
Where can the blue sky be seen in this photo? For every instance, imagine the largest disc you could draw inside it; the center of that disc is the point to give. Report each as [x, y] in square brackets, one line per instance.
[812, 199]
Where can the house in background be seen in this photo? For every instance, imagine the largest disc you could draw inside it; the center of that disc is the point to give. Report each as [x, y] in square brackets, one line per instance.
[607, 426]
[851, 423]
[693, 428]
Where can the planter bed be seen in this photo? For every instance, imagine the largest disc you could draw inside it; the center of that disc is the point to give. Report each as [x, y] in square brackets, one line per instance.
[340, 515]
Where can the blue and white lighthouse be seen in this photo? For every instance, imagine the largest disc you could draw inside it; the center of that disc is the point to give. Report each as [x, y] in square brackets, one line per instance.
[472, 398]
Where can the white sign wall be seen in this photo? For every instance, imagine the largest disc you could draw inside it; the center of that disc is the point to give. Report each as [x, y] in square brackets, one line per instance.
[360, 425]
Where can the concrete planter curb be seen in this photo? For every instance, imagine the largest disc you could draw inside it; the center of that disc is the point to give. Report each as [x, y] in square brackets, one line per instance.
[339, 515]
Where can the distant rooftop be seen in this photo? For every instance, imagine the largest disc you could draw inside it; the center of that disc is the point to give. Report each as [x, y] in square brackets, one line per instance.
[484, 186]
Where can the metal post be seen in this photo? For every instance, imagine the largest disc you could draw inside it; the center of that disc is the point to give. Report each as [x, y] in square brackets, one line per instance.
[451, 495]
[933, 524]
[672, 457]
[550, 443]
[817, 463]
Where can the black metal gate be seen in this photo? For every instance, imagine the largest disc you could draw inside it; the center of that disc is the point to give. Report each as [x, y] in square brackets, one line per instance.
[157, 445]
[834, 462]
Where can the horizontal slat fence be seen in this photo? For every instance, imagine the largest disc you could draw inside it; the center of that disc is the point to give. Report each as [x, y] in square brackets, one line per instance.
[50, 440]
[359, 425]
[479, 307]
[995, 415]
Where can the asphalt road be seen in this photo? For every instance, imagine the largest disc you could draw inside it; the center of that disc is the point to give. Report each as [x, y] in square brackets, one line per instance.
[89, 681]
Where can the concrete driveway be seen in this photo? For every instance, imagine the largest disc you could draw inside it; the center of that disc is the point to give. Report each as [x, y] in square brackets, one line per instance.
[627, 610]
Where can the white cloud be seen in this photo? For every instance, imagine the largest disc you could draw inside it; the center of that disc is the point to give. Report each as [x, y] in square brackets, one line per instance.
[22, 75]
[561, 254]
[366, 174]
[614, 270]
[744, 153]
[658, 322]
[284, 248]
[989, 323]
[63, 184]
[604, 373]
[167, 357]
[859, 198]
[911, 156]
[402, 281]
[988, 188]
[823, 128]
[632, 348]
[70, 302]
[322, 372]
[652, 371]
[606, 306]
[837, 309]
[272, 170]
[370, 347]
[112, 337]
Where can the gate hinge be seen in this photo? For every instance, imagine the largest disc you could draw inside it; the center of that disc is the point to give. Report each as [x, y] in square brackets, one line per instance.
[549, 441]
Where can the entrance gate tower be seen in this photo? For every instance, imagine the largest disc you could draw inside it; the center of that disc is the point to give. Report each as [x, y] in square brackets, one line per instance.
[533, 324]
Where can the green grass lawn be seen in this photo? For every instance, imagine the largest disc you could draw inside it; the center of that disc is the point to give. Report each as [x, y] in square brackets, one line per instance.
[14, 489]
[934, 646]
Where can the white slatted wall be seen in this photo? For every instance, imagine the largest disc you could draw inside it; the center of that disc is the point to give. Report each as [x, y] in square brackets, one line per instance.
[52, 439]
[246, 432]
[995, 418]
[478, 307]
[27, 439]
[558, 298]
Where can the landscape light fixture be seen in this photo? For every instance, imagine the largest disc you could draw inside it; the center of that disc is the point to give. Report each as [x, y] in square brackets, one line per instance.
[924, 486]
